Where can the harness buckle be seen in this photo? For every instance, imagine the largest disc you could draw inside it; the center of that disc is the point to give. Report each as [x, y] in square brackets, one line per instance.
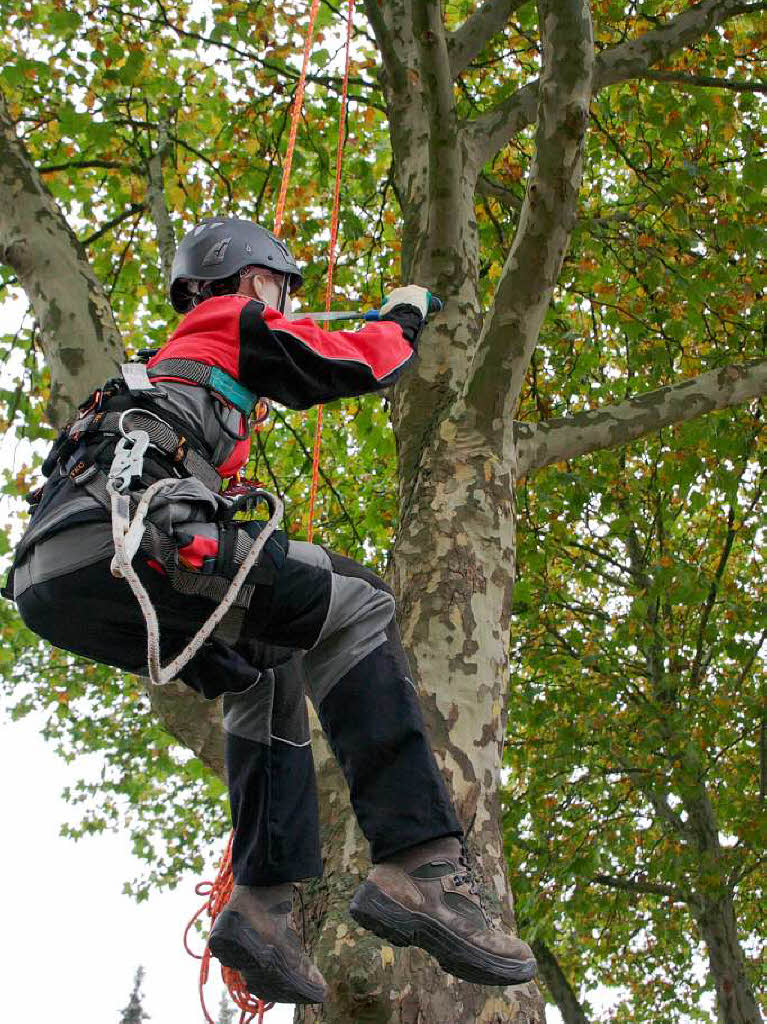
[180, 453]
[128, 462]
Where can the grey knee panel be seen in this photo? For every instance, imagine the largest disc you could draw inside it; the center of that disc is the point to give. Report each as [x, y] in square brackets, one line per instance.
[274, 710]
[359, 612]
[249, 714]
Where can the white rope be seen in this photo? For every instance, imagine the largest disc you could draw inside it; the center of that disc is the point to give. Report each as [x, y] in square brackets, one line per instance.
[127, 536]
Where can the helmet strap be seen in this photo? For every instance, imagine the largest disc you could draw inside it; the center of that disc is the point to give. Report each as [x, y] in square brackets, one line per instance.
[284, 292]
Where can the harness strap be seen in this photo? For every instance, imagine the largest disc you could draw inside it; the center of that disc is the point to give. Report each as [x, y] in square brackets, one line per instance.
[161, 436]
[211, 377]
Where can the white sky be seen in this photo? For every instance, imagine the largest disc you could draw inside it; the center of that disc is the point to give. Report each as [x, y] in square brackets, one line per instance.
[72, 941]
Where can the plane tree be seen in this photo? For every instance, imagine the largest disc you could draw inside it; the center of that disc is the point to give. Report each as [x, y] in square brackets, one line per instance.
[579, 182]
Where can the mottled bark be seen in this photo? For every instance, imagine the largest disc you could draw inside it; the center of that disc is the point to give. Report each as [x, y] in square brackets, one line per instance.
[546, 220]
[79, 337]
[468, 41]
[195, 722]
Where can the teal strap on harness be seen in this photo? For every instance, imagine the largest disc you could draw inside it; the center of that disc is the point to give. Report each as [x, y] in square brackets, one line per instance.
[212, 377]
[232, 390]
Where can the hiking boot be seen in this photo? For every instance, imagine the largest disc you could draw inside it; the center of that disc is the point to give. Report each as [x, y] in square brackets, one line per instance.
[427, 896]
[254, 934]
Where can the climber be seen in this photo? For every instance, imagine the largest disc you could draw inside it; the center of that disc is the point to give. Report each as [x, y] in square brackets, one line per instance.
[307, 620]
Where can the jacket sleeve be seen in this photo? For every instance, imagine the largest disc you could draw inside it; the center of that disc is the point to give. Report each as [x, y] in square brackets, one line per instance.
[298, 364]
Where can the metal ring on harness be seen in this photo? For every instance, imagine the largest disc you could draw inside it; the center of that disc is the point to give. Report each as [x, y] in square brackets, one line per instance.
[142, 412]
[242, 503]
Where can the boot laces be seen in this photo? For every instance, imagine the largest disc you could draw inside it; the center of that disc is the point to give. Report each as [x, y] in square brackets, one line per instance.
[468, 877]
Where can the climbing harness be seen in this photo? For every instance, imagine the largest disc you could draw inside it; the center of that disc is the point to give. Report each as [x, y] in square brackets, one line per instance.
[127, 533]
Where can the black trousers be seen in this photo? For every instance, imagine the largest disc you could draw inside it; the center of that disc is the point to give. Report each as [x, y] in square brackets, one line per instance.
[319, 625]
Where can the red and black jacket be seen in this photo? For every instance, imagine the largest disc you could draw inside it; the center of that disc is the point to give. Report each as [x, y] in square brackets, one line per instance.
[293, 362]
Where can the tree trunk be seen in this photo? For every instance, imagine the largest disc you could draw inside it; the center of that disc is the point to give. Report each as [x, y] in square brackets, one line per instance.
[372, 982]
[77, 330]
[453, 575]
[714, 911]
[735, 998]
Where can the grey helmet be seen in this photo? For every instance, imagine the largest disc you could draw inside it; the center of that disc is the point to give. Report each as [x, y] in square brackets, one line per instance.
[218, 248]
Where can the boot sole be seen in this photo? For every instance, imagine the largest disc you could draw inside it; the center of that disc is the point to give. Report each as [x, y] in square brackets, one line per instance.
[389, 920]
[266, 972]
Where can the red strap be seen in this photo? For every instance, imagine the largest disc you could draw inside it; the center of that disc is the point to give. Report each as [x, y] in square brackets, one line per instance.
[199, 548]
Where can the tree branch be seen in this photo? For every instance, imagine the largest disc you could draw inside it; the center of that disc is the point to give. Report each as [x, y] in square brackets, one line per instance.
[559, 987]
[251, 56]
[384, 38]
[546, 221]
[467, 42]
[509, 199]
[487, 187]
[638, 885]
[326, 479]
[620, 63]
[713, 590]
[158, 205]
[705, 81]
[446, 159]
[115, 165]
[558, 440]
[133, 209]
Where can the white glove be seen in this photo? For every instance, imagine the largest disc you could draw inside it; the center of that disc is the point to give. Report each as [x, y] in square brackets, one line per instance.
[410, 295]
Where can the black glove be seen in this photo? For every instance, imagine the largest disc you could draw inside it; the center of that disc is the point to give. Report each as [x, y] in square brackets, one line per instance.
[408, 307]
[410, 320]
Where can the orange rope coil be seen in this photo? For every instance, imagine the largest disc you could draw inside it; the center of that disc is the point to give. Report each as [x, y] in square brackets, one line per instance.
[218, 893]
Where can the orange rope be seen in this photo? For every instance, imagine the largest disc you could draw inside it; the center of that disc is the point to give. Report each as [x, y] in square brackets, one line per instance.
[332, 254]
[294, 119]
[219, 891]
